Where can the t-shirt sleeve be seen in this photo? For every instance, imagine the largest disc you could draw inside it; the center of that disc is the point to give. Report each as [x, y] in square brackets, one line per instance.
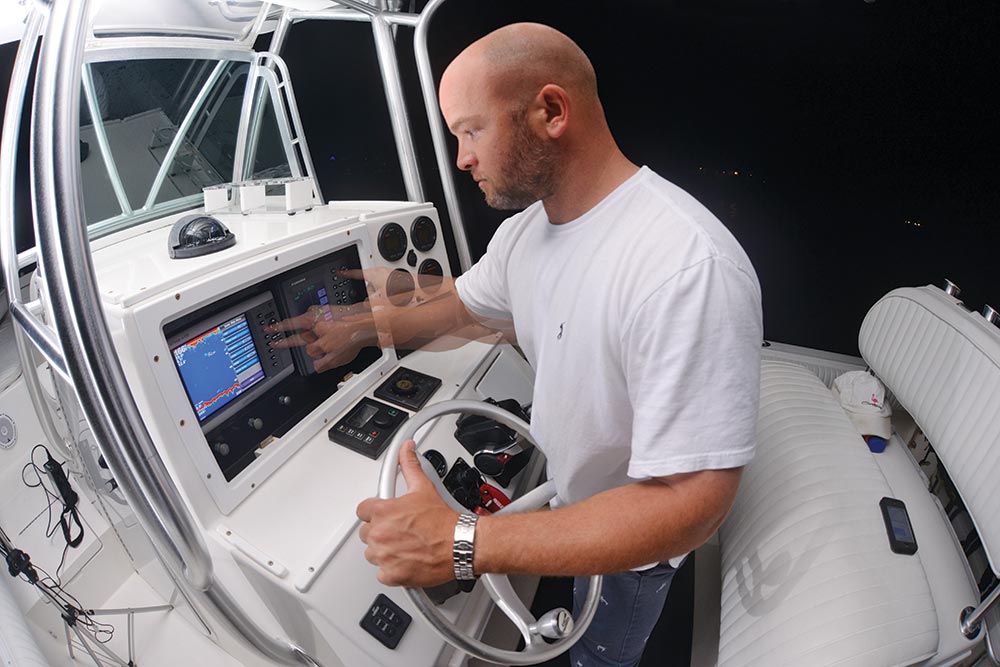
[692, 363]
[484, 288]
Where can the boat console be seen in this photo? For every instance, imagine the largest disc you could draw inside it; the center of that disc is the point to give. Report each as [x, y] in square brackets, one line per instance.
[272, 451]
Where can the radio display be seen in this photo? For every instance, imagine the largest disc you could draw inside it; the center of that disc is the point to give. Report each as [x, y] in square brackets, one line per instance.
[218, 365]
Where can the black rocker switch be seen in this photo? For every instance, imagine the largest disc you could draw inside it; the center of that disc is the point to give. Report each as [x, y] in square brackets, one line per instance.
[385, 621]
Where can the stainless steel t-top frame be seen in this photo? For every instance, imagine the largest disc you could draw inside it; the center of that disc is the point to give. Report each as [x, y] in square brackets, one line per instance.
[81, 350]
[383, 21]
[88, 358]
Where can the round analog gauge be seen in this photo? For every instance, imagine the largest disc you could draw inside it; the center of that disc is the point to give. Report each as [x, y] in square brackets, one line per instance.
[392, 242]
[429, 275]
[399, 287]
[423, 233]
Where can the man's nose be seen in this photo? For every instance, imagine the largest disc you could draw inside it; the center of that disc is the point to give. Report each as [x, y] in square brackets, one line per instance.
[466, 159]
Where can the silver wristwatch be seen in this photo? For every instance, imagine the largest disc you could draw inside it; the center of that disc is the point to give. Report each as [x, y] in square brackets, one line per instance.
[462, 549]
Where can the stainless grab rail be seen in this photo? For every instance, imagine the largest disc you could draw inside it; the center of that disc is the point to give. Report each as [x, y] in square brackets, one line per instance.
[29, 330]
[437, 133]
[398, 115]
[971, 618]
[91, 361]
[382, 23]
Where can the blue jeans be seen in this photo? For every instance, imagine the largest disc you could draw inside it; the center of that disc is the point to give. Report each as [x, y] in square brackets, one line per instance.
[630, 605]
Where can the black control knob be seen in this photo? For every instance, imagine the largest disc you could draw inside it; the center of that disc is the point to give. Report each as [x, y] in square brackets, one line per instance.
[221, 448]
[382, 420]
[256, 423]
[405, 387]
[284, 400]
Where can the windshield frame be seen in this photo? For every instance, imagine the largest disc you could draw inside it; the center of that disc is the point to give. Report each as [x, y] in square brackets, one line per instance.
[129, 216]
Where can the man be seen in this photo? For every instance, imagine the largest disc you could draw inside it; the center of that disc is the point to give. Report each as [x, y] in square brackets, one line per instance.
[639, 313]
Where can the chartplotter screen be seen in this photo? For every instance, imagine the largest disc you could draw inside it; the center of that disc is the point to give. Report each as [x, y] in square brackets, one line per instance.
[218, 365]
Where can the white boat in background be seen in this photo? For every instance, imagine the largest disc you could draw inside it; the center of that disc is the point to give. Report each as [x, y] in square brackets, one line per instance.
[177, 216]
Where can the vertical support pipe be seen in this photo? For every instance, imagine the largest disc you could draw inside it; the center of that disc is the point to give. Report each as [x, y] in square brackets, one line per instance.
[438, 135]
[102, 140]
[94, 368]
[253, 99]
[28, 329]
[385, 48]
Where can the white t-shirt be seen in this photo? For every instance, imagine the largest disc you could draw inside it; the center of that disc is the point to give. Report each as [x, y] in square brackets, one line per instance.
[642, 320]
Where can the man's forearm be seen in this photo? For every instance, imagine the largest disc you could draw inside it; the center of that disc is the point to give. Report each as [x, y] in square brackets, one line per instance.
[418, 323]
[619, 529]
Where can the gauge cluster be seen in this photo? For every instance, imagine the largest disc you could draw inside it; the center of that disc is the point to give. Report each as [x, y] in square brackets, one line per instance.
[414, 251]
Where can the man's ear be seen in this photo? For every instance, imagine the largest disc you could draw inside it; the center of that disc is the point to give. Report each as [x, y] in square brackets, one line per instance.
[555, 103]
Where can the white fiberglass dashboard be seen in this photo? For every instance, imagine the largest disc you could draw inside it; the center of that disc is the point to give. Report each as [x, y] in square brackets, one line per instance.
[245, 427]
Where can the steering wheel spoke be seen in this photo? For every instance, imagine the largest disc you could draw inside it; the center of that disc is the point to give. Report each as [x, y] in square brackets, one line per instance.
[507, 600]
[533, 500]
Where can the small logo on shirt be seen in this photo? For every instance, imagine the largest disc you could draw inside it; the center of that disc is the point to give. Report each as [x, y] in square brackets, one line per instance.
[559, 336]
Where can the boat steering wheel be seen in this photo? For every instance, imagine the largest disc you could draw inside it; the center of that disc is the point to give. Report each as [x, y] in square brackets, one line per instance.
[544, 638]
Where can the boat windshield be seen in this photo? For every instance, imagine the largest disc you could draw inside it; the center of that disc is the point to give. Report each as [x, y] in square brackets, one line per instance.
[154, 132]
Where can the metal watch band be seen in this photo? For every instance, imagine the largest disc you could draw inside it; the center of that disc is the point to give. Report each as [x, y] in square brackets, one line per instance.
[462, 550]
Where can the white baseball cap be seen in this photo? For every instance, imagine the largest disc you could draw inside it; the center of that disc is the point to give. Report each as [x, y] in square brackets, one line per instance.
[863, 398]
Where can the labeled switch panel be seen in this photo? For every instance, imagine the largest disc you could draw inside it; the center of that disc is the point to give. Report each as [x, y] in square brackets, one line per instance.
[368, 427]
[385, 621]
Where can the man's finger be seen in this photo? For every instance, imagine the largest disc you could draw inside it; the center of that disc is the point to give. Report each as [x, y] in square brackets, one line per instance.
[366, 508]
[295, 340]
[410, 464]
[315, 350]
[303, 321]
[351, 274]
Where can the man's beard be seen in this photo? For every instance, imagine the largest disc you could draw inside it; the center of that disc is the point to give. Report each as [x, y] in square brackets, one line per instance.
[528, 169]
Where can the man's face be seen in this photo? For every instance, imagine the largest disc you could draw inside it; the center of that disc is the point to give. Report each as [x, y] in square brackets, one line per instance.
[513, 166]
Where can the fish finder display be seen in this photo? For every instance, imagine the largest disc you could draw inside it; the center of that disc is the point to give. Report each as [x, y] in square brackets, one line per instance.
[218, 365]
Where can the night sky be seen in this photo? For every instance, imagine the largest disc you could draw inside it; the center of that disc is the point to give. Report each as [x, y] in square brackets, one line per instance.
[864, 135]
[850, 147]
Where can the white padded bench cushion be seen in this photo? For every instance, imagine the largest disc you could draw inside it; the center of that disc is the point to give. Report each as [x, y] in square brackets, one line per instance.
[807, 574]
[943, 365]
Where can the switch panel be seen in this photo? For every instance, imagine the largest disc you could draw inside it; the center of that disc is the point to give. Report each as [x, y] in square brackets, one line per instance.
[385, 621]
[368, 427]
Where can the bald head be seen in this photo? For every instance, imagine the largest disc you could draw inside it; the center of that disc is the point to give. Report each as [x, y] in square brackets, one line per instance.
[517, 60]
[522, 102]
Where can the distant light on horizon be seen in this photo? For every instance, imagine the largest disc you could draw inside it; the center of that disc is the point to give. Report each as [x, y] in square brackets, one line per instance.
[716, 171]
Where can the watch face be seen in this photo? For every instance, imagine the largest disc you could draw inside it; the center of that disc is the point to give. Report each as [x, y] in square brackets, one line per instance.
[392, 242]
[423, 233]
